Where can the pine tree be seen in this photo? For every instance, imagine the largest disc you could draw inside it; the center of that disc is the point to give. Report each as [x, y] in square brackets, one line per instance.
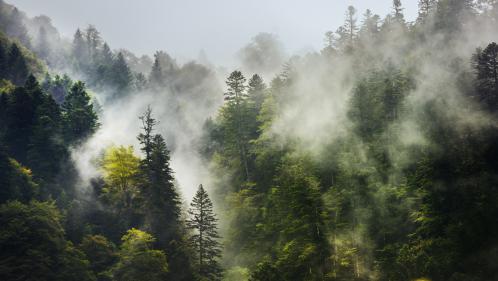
[203, 222]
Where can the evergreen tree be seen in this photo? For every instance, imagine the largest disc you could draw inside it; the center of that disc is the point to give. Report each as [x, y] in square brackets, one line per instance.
[79, 51]
[121, 77]
[203, 222]
[106, 56]
[162, 201]
[156, 77]
[78, 113]
[235, 112]
[146, 136]
[256, 91]
[33, 247]
[93, 41]
[486, 68]
[347, 33]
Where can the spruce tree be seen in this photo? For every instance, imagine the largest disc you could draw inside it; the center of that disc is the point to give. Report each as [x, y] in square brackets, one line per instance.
[236, 113]
[203, 222]
[161, 199]
[79, 116]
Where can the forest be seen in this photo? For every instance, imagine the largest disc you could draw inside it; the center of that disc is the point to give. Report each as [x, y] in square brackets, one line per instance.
[374, 158]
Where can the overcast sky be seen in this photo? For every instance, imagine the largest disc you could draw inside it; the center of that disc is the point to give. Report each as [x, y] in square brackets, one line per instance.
[219, 27]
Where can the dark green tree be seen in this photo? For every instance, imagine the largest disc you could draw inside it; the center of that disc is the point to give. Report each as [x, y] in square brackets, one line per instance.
[486, 68]
[203, 222]
[33, 247]
[80, 120]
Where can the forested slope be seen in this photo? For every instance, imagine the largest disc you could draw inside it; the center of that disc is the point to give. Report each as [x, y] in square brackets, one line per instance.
[373, 159]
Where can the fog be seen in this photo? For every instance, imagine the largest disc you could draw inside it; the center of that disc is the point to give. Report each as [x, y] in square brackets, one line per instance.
[220, 28]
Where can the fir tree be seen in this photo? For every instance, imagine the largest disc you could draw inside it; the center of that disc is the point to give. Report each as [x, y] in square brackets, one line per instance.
[203, 222]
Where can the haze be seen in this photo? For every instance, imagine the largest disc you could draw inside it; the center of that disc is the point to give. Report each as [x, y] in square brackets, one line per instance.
[220, 27]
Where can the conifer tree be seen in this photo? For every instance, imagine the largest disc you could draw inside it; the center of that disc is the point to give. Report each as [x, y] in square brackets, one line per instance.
[156, 74]
[236, 113]
[203, 222]
[121, 76]
[79, 116]
[79, 51]
[486, 68]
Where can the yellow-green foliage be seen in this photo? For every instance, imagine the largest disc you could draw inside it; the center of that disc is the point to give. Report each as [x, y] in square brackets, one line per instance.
[6, 86]
[120, 167]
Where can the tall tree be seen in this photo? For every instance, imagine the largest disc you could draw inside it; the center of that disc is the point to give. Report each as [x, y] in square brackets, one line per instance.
[235, 113]
[486, 68]
[203, 222]
[161, 199]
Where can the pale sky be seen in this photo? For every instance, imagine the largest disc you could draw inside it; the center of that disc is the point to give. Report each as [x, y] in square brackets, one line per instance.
[219, 27]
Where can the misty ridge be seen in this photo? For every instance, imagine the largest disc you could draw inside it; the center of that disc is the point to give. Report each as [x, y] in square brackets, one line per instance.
[374, 158]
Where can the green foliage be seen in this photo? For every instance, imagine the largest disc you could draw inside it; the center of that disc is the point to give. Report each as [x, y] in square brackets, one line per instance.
[205, 237]
[101, 253]
[33, 246]
[138, 260]
[120, 170]
[80, 119]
